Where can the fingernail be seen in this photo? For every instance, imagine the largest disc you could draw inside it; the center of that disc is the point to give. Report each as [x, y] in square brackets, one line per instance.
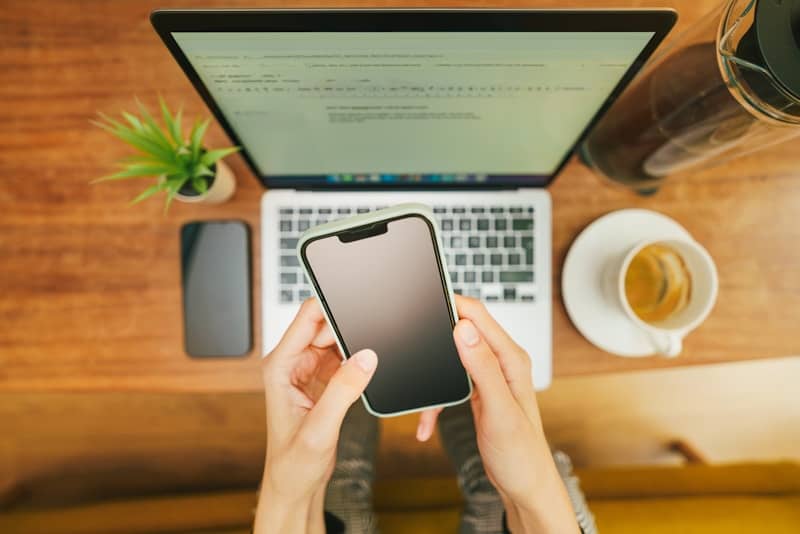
[366, 359]
[423, 432]
[468, 333]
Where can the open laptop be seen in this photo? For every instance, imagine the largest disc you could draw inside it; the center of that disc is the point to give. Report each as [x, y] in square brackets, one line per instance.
[471, 112]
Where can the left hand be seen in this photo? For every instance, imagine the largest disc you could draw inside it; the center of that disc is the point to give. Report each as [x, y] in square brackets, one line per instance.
[308, 392]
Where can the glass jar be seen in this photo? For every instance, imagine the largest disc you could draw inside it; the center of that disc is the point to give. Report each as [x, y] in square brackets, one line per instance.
[727, 86]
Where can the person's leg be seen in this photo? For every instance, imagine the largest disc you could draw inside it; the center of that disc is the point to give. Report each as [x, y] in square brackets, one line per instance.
[483, 509]
[483, 512]
[349, 493]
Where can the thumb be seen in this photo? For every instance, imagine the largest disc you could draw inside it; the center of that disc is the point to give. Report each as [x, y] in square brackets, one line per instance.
[323, 422]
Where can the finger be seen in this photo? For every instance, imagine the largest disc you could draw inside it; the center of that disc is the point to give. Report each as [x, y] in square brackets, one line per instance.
[482, 365]
[324, 337]
[514, 361]
[427, 422]
[321, 426]
[303, 330]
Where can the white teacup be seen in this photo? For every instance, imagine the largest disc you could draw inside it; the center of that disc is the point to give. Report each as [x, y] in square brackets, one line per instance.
[667, 336]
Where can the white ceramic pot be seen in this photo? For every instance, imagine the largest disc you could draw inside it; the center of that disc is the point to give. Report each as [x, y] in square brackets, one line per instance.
[222, 188]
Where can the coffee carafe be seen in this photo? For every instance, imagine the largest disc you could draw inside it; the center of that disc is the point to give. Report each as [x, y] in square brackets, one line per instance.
[727, 86]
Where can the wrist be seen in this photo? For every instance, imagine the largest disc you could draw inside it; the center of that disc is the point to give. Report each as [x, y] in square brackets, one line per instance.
[280, 512]
[546, 509]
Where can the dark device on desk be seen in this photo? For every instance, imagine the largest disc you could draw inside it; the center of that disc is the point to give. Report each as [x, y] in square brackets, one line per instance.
[381, 280]
[215, 274]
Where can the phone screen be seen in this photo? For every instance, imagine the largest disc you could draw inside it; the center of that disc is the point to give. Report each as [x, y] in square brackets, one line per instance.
[215, 271]
[385, 292]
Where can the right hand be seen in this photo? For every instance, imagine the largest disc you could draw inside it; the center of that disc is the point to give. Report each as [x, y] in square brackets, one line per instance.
[509, 430]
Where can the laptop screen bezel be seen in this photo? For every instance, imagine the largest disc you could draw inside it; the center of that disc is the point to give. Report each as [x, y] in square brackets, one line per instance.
[165, 22]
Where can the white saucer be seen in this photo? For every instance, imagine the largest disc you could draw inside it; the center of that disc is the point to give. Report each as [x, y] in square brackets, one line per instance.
[590, 303]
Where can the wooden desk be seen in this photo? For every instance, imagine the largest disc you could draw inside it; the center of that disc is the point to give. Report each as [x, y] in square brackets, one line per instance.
[89, 287]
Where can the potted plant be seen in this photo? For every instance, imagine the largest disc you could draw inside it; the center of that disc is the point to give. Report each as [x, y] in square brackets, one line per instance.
[182, 168]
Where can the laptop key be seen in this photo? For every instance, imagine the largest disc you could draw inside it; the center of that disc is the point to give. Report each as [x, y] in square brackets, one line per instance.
[362, 210]
[509, 293]
[478, 259]
[474, 241]
[500, 224]
[305, 211]
[515, 209]
[516, 276]
[461, 259]
[522, 224]
[343, 211]
[514, 259]
[447, 225]
[527, 243]
[286, 211]
[491, 241]
[286, 225]
[487, 277]
[287, 295]
[288, 278]
[459, 209]
[465, 225]
[325, 211]
[438, 209]
[496, 259]
[456, 241]
[497, 209]
[289, 261]
[477, 209]
[288, 242]
[509, 241]
[469, 277]
[483, 224]
[303, 225]
[454, 276]
[303, 294]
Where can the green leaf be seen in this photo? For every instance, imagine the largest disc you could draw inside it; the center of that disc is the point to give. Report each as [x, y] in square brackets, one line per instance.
[106, 121]
[154, 129]
[173, 184]
[196, 138]
[212, 156]
[173, 123]
[168, 201]
[199, 184]
[150, 191]
[133, 120]
[144, 145]
[202, 170]
[139, 170]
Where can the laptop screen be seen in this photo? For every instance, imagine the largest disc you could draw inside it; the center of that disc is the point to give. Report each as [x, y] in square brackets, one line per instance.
[398, 107]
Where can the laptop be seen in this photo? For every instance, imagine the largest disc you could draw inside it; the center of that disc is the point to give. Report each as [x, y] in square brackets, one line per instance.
[471, 112]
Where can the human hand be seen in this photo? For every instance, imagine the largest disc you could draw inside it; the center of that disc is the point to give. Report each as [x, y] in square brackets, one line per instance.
[508, 426]
[308, 392]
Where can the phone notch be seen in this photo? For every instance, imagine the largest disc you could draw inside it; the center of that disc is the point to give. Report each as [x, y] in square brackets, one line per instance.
[363, 232]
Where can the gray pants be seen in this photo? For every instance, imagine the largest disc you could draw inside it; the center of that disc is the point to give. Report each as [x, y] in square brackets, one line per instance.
[349, 494]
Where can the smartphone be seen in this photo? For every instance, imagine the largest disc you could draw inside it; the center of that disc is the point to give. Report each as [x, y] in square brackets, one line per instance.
[382, 282]
[215, 274]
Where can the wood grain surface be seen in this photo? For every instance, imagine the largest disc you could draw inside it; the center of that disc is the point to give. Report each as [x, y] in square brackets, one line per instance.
[89, 287]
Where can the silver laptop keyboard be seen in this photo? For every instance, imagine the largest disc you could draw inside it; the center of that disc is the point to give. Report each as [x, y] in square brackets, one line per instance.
[488, 250]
